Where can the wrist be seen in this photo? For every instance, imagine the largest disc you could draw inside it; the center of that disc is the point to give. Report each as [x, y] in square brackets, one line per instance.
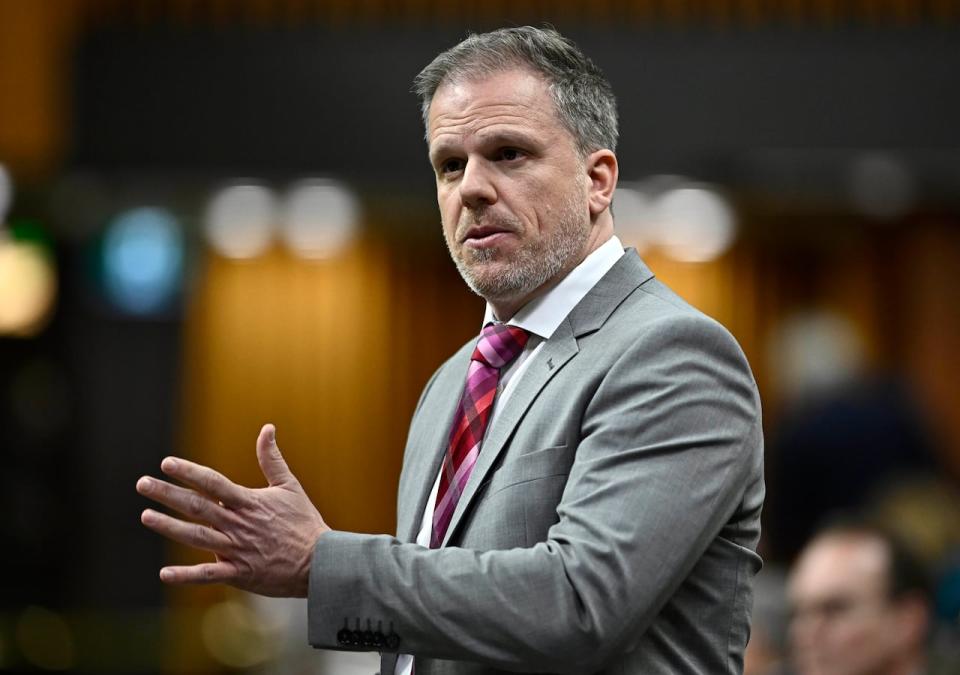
[303, 576]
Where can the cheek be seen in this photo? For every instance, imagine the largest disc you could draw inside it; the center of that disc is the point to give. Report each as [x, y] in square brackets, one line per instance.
[561, 200]
[854, 647]
[801, 634]
[449, 217]
[534, 210]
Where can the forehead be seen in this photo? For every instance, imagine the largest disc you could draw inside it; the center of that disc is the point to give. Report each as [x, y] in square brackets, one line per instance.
[515, 99]
[840, 565]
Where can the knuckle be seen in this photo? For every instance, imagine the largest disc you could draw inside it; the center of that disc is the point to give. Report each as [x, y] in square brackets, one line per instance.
[217, 479]
[201, 534]
[215, 482]
[207, 482]
[195, 504]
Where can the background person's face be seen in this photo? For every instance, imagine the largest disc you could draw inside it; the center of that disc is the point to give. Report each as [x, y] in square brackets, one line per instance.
[511, 185]
[843, 623]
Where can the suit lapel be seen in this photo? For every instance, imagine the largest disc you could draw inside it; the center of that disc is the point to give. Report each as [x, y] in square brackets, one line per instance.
[428, 443]
[623, 278]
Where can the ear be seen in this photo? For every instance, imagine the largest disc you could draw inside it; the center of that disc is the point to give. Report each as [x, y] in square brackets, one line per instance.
[602, 172]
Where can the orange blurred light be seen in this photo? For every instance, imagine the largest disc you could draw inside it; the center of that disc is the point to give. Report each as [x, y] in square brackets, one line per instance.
[234, 636]
[28, 288]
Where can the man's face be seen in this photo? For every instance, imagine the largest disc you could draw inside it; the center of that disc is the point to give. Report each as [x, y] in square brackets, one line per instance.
[512, 188]
[843, 622]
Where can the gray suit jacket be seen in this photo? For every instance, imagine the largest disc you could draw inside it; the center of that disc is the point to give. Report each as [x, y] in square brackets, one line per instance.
[609, 525]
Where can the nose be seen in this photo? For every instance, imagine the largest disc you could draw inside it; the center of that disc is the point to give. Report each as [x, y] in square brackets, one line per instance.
[476, 186]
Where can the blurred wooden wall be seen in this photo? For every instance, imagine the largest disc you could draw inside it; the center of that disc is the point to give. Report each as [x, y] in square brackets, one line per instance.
[35, 43]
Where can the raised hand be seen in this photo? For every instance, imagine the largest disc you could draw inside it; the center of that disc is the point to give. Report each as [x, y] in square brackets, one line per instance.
[262, 538]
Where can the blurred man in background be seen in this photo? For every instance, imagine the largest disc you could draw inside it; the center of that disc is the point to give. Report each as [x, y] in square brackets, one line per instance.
[860, 603]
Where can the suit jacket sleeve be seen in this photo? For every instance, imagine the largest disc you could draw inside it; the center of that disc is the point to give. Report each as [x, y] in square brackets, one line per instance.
[669, 439]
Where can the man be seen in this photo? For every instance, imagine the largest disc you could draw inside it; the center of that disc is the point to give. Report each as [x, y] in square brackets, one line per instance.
[860, 605]
[589, 500]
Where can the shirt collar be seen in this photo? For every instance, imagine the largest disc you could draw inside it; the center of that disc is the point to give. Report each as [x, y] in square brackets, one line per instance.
[543, 314]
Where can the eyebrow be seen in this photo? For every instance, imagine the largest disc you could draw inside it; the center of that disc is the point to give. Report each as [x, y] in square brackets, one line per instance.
[438, 150]
[496, 138]
[506, 137]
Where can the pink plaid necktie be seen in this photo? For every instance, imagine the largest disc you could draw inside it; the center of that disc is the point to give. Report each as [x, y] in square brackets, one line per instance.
[499, 344]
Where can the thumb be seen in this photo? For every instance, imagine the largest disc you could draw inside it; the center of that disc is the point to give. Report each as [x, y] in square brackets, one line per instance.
[272, 464]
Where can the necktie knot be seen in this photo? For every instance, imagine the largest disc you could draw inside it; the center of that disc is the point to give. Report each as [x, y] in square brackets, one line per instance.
[499, 344]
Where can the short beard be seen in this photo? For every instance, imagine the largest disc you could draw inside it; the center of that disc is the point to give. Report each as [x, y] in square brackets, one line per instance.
[532, 265]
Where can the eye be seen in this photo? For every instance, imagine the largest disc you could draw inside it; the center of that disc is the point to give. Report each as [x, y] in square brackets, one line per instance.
[449, 166]
[510, 154]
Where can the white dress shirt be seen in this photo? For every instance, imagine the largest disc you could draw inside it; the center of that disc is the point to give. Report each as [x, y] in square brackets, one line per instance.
[540, 317]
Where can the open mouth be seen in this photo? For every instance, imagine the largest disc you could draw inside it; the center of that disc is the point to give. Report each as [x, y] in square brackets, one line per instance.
[485, 235]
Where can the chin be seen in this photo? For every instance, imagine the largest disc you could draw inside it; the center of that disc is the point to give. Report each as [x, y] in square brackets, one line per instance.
[489, 283]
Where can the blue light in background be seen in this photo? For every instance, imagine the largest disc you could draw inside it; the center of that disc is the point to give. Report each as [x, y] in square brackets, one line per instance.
[143, 259]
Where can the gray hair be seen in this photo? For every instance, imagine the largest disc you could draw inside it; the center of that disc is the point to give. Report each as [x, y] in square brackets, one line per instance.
[582, 96]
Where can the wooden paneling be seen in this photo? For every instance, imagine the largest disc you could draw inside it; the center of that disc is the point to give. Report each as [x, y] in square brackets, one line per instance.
[34, 48]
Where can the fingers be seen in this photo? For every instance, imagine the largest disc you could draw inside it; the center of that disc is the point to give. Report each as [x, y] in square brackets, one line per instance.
[188, 502]
[205, 573]
[272, 463]
[191, 534]
[206, 480]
